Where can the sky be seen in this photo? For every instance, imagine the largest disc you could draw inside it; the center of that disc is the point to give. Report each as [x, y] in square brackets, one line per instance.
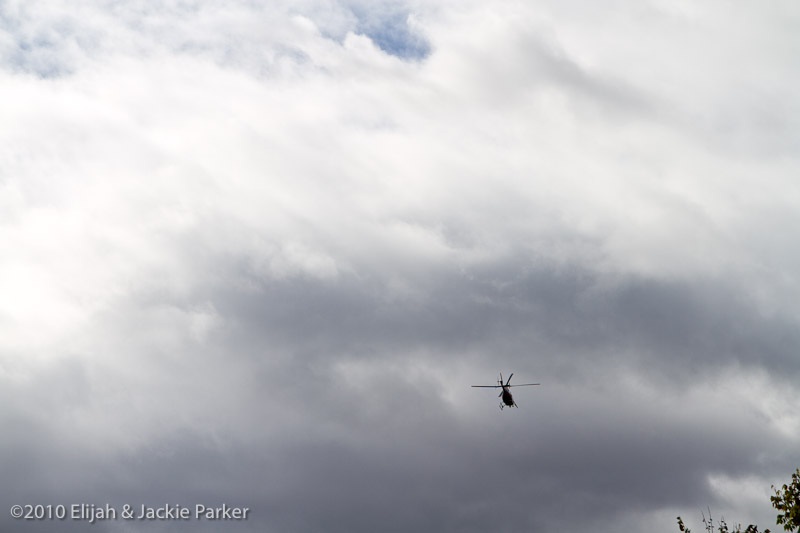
[255, 253]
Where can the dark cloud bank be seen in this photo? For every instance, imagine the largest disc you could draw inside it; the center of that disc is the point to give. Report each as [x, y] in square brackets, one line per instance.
[272, 419]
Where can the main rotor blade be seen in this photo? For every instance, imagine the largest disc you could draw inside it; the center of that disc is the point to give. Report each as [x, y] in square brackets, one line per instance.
[523, 385]
[488, 386]
[509, 379]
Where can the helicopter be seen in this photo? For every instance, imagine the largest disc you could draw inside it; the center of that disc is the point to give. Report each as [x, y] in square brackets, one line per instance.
[508, 400]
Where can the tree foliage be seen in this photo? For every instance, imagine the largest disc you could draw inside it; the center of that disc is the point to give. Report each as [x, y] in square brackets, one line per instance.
[722, 526]
[786, 500]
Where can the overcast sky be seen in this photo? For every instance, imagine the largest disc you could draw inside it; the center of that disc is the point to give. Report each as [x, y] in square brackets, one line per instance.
[256, 252]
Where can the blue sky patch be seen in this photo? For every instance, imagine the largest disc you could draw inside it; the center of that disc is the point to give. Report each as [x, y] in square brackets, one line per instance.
[389, 30]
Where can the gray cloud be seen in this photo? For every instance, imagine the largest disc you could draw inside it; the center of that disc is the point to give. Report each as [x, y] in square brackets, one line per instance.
[256, 253]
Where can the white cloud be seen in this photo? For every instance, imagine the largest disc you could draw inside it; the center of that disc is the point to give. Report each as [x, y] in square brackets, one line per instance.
[202, 201]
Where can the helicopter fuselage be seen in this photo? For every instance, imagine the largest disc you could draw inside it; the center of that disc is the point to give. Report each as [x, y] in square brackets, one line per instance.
[507, 398]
